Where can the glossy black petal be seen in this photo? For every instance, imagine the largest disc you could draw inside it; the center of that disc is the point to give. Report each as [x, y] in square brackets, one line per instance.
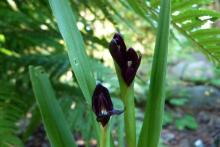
[118, 50]
[102, 105]
[128, 60]
[133, 60]
[101, 100]
[103, 119]
[120, 42]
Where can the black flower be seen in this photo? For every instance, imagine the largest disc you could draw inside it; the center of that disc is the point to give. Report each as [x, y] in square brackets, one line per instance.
[127, 59]
[102, 105]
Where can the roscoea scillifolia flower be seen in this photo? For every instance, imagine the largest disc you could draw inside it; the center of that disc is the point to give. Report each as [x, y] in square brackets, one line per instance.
[128, 60]
[102, 105]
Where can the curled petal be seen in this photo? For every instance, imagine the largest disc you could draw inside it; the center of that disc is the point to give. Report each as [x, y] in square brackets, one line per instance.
[135, 57]
[104, 118]
[120, 42]
[132, 56]
[133, 62]
[115, 112]
[116, 53]
[129, 75]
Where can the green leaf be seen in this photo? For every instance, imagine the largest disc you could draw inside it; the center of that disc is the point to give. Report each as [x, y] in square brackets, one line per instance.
[168, 118]
[56, 126]
[178, 101]
[203, 33]
[8, 140]
[188, 18]
[12, 109]
[138, 8]
[193, 24]
[216, 82]
[187, 121]
[76, 50]
[189, 14]
[210, 40]
[150, 132]
[187, 4]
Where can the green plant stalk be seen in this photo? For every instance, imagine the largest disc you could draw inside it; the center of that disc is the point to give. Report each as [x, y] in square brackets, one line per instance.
[150, 132]
[120, 131]
[129, 114]
[127, 96]
[105, 136]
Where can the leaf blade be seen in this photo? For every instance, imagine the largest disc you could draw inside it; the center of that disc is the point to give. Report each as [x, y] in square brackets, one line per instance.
[75, 45]
[150, 132]
[76, 50]
[51, 113]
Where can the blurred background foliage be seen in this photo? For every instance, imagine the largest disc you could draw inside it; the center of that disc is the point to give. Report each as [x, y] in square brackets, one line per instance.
[29, 36]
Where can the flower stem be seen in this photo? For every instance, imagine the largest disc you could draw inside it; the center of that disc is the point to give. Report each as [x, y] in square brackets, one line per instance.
[127, 96]
[105, 136]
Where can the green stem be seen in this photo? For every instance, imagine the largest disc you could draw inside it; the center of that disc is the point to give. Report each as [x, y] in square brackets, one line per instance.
[127, 96]
[120, 131]
[105, 136]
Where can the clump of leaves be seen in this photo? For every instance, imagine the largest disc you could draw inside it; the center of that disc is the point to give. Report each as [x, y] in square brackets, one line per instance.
[187, 121]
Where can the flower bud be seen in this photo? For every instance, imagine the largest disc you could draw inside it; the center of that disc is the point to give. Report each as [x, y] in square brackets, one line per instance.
[127, 60]
[102, 105]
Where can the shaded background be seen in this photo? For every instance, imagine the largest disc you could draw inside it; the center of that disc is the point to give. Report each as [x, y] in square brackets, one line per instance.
[29, 36]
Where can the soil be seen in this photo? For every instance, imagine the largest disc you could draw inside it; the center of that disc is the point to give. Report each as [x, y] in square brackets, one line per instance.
[206, 135]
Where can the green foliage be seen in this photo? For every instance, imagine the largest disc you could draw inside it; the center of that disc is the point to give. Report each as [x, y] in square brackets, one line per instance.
[76, 49]
[56, 127]
[12, 108]
[178, 101]
[10, 140]
[189, 19]
[216, 82]
[29, 36]
[74, 41]
[187, 121]
[152, 125]
[76, 114]
[167, 118]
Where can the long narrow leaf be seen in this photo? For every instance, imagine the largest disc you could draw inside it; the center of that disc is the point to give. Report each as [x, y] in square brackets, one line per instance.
[57, 129]
[75, 45]
[76, 50]
[150, 132]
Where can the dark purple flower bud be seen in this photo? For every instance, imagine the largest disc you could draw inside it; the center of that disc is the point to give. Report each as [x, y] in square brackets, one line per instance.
[102, 105]
[118, 50]
[128, 60]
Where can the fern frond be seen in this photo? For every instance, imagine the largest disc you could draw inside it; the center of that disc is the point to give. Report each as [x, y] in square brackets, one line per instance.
[202, 33]
[12, 109]
[195, 14]
[188, 4]
[188, 17]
